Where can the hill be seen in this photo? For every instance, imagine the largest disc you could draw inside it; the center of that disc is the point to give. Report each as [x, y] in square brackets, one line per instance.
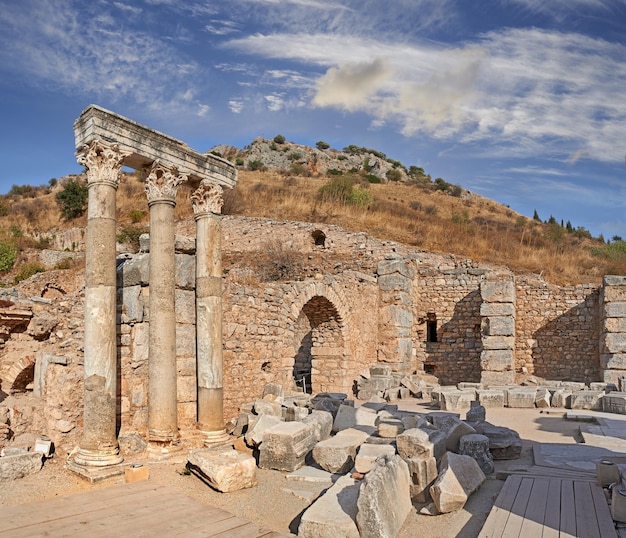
[358, 189]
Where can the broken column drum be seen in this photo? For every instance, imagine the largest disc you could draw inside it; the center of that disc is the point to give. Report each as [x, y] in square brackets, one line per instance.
[207, 204]
[105, 142]
[161, 185]
[99, 446]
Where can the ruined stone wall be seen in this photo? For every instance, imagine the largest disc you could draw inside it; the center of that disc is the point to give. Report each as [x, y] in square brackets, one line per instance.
[556, 331]
[449, 296]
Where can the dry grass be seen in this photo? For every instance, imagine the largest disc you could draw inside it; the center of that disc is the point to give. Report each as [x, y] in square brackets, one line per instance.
[475, 227]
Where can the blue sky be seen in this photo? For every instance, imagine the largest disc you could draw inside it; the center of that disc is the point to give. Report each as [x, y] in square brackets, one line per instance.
[522, 101]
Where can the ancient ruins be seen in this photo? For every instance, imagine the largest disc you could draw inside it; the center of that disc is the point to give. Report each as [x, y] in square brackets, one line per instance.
[165, 349]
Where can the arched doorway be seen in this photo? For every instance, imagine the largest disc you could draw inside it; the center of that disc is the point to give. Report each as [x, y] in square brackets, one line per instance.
[319, 360]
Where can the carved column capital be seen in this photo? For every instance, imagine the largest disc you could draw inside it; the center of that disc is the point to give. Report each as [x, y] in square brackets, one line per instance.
[103, 162]
[162, 183]
[207, 199]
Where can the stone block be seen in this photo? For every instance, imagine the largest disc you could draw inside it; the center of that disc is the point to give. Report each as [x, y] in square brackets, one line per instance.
[345, 418]
[454, 433]
[497, 309]
[587, 399]
[457, 401]
[614, 343]
[381, 370]
[616, 377]
[285, 446]
[224, 470]
[423, 472]
[390, 427]
[573, 385]
[20, 465]
[185, 306]
[613, 280]
[494, 379]
[614, 402]
[256, 432]
[562, 398]
[421, 443]
[490, 398]
[268, 407]
[498, 326]
[614, 325]
[500, 291]
[413, 387]
[394, 282]
[333, 514]
[542, 398]
[336, 454]
[185, 270]
[615, 310]
[463, 385]
[132, 305]
[497, 343]
[613, 361]
[385, 499]
[295, 413]
[436, 392]
[367, 455]
[522, 397]
[460, 476]
[375, 383]
[476, 413]
[476, 446]
[321, 424]
[389, 267]
[496, 360]
[504, 443]
[134, 272]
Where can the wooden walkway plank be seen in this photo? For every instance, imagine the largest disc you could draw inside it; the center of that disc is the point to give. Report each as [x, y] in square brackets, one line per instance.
[567, 523]
[552, 519]
[499, 515]
[586, 521]
[606, 526]
[518, 510]
[536, 509]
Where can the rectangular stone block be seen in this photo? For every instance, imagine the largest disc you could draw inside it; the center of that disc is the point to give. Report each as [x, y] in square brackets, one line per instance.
[614, 343]
[524, 398]
[498, 342]
[614, 325]
[489, 398]
[562, 398]
[498, 326]
[225, 470]
[616, 377]
[367, 455]
[457, 401]
[613, 361]
[285, 446]
[421, 443]
[500, 291]
[613, 280]
[497, 309]
[423, 472]
[496, 360]
[587, 399]
[614, 310]
[614, 402]
[337, 454]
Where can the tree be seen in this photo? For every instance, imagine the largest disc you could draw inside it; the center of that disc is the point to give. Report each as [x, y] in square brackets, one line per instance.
[536, 216]
[320, 144]
[279, 139]
[72, 199]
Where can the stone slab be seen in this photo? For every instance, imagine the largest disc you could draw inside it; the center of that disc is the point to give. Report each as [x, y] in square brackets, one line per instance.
[225, 470]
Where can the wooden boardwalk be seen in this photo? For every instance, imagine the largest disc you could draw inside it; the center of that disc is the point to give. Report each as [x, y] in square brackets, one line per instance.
[549, 506]
[140, 509]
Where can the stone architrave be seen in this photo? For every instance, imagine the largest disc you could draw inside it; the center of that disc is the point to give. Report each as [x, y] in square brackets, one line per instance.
[161, 185]
[99, 446]
[207, 204]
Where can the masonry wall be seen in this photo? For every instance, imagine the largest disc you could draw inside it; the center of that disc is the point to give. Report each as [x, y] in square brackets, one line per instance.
[557, 331]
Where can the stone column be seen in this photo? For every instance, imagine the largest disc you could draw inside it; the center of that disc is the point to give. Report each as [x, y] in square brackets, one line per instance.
[99, 446]
[207, 204]
[161, 185]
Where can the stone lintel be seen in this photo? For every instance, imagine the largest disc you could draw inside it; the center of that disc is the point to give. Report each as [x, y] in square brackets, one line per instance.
[146, 146]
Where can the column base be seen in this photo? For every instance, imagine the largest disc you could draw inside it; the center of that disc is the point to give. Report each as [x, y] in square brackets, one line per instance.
[98, 458]
[215, 438]
[159, 450]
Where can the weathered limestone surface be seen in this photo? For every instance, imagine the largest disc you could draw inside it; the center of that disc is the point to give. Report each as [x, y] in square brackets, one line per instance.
[285, 446]
[20, 465]
[334, 513]
[384, 500]
[421, 443]
[504, 443]
[367, 455]
[459, 478]
[423, 472]
[225, 470]
[337, 454]
[477, 446]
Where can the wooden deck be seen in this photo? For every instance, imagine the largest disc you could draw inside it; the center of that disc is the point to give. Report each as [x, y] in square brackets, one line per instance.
[140, 509]
[549, 506]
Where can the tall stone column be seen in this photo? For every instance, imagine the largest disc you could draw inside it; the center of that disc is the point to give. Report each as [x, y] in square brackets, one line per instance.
[161, 185]
[99, 446]
[207, 205]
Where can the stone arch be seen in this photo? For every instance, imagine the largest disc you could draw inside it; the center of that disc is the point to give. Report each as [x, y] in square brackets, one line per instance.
[320, 315]
[20, 374]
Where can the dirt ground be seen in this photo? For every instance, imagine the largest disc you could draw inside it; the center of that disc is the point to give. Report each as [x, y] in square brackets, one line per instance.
[274, 490]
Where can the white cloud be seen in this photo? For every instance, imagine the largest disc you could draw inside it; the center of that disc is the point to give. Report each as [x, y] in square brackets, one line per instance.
[129, 9]
[275, 102]
[222, 27]
[203, 110]
[235, 105]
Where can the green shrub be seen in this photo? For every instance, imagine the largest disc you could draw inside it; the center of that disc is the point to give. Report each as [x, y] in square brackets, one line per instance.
[137, 215]
[361, 196]
[72, 199]
[27, 270]
[320, 144]
[4, 207]
[294, 156]
[279, 139]
[130, 235]
[371, 178]
[334, 172]
[8, 255]
[239, 161]
[256, 165]
[341, 189]
[394, 175]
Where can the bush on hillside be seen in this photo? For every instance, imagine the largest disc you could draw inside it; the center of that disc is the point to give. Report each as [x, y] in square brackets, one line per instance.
[341, 190]
[27, 270]
[8, 255]
[72, 199]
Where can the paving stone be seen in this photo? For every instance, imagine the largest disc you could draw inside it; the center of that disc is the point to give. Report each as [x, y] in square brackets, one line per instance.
[367, 455]
[337, 454]
[460, 476]
[224, 470]
[333, 514]
[285, 446]
[385, 499]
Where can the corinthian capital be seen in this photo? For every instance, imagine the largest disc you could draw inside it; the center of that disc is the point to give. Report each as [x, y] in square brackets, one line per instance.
[207, 198]
[162, 183]
[103, 162]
